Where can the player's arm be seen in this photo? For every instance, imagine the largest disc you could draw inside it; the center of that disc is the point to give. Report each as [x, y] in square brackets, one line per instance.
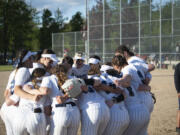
[151, 67]
[62, 99]
[12, 100]
[144, 87]
[30, 90]
[23, 94]
[125, 81]
[107, 88]
[7, 93]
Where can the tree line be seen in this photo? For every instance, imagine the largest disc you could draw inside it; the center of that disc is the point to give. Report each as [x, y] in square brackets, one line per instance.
[22, 27]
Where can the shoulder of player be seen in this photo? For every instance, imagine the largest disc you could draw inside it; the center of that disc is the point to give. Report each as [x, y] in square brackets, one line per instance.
[135, 59]
[23, 69]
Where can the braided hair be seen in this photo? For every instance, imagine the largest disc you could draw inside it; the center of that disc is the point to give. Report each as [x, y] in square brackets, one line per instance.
[61, 73]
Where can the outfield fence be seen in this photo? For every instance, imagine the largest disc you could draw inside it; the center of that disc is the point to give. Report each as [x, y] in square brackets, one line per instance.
[151, 28]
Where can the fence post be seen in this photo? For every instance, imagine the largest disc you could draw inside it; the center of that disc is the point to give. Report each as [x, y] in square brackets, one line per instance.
[120, 19]
[87, 28]
[139, 23]
[103, 31]
[75, 42]
[160, 55]
[52, 42]
[63, 44]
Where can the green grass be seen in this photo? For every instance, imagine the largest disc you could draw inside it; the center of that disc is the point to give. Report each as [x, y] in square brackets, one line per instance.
[6, 67]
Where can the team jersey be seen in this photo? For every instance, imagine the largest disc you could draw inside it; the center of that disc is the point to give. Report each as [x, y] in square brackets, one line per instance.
[11, 82]
[30, 103]
[51, 82]
[140, 64]
[22, 76]
[35, 65]
[90, 97]
[132, 71]
[80, 72]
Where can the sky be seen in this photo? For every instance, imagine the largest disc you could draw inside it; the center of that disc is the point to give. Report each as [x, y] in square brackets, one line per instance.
[68, 7]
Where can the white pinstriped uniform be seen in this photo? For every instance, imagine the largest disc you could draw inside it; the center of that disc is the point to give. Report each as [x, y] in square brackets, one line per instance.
[94, 113]
[65, 120]
[35, 123]
[144, 96]
[29, 120]
[80, 72]
[22, 76]
[6, 111]
[138, 113]
[119, 117]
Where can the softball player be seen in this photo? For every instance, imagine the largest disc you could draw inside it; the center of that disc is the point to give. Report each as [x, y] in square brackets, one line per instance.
[65, 114]
[80, 70]
[22, 76]
[138, 113]
[177, 86]
[143, 71]
[35, 123]
[94, 112]
[119, 118]
[8, 106]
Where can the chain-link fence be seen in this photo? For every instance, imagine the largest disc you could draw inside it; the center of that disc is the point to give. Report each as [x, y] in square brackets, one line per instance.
[150, 28]
[68, 43]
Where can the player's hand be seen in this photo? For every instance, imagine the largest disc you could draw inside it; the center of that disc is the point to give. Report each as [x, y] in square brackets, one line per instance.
[36, 98]
[147, 80]
[96, 83]
[109, 103]
[117, 82]
[148, 88]
[84, 88]
[117, 90]
[62, 99]
[16, 104]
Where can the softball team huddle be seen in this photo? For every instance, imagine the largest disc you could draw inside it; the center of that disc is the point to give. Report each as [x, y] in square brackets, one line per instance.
[115, 99]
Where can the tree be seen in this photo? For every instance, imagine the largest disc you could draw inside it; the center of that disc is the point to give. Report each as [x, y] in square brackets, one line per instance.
[77, 22]
[16, 27]
[50, 25]
[59, 19]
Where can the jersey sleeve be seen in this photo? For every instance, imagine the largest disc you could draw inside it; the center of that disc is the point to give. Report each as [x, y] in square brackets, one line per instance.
[46, 82]
[126, 71]
[11, 77]
[14, 98]
[22, 76]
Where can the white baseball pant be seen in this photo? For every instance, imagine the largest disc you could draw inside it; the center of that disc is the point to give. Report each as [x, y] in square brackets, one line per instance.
[119, 120]
[95, 117]
[65, 120]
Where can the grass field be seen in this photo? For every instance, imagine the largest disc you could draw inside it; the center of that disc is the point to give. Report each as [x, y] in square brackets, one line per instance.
[6, 67]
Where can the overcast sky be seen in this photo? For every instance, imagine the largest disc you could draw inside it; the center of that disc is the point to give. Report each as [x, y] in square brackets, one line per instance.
[68, 7]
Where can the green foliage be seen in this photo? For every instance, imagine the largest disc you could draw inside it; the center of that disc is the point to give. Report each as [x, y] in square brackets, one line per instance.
[77, 22]
[17, 26]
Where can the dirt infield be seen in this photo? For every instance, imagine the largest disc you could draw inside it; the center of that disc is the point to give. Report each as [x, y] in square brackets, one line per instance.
[163, 118]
